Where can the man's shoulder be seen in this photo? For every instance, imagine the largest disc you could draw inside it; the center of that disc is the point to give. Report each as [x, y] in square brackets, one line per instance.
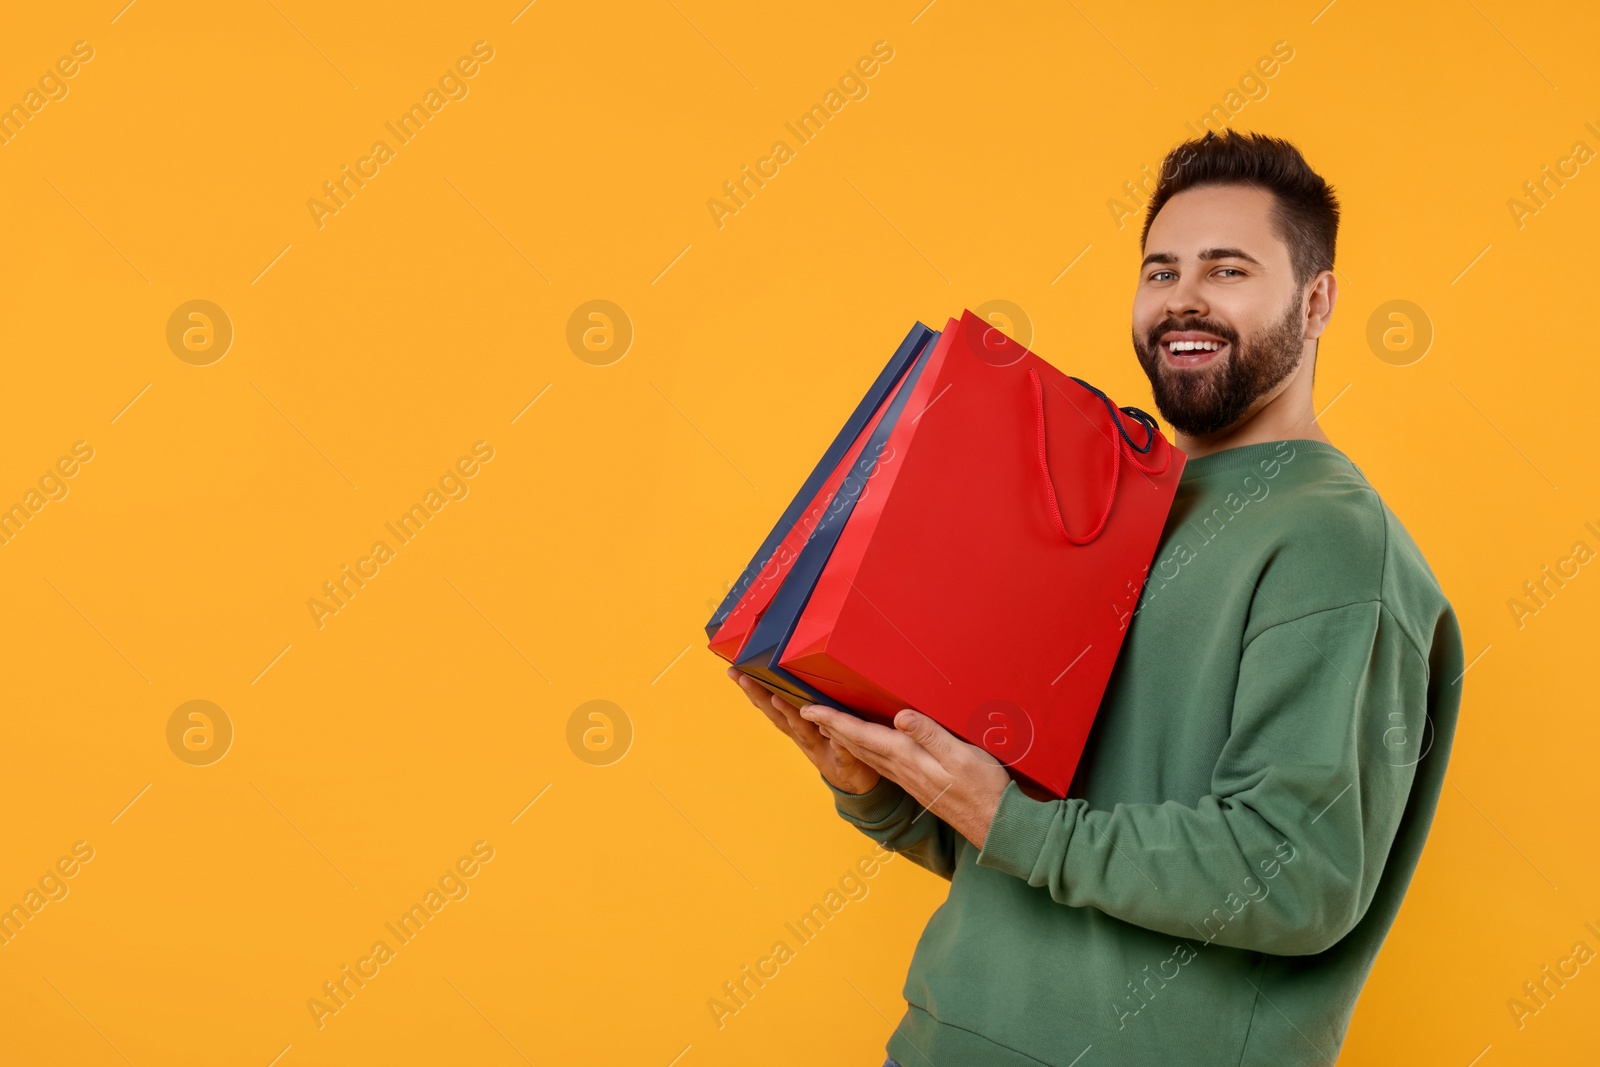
[1340, 543]
[1411, 591]
[1328, 531]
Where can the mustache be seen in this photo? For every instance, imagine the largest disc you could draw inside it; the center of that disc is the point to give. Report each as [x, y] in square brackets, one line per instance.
[1198, 325]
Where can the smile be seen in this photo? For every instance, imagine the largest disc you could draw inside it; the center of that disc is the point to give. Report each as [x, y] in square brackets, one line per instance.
[1192, 352]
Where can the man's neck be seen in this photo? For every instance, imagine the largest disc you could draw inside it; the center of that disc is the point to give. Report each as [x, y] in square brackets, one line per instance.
[1287, 415]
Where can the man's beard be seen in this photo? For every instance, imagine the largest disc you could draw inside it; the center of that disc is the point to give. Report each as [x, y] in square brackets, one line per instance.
[1207, 399]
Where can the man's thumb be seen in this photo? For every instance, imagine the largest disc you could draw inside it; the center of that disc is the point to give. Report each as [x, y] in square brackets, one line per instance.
[918, 727]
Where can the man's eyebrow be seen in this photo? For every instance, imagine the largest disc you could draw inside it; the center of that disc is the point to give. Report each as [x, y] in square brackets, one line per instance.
[1205, 254]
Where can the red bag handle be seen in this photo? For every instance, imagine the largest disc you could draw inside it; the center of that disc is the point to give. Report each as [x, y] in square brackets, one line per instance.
[1117, 447]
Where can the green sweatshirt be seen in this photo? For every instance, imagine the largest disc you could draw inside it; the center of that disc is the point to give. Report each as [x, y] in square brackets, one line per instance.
[1248, 812]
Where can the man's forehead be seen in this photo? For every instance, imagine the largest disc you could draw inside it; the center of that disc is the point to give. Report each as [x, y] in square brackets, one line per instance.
[1216, 222]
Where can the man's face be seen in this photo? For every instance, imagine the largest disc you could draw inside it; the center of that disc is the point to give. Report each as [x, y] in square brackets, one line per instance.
[1214, 271]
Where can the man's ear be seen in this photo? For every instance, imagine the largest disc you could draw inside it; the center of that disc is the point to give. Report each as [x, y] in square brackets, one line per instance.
[1322, 296]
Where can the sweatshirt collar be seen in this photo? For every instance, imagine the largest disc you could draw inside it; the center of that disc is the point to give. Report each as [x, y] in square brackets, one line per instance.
[1230, 459]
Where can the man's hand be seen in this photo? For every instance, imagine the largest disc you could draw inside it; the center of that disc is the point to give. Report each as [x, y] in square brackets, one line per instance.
[836, 763]
[958, 782]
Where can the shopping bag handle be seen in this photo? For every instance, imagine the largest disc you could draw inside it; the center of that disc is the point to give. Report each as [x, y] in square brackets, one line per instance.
[1141, 417]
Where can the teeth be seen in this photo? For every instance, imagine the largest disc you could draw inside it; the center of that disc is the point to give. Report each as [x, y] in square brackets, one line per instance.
[1195, 346]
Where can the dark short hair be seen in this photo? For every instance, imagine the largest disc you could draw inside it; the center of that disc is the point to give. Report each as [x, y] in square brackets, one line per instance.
[1305, 212]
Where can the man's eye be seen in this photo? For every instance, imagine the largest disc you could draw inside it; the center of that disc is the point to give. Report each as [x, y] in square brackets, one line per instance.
[1157, 275]
[1235, 270]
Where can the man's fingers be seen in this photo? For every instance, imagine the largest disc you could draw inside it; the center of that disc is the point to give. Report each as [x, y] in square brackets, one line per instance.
[923, 730]
[823, 742]
[843, 749]
[754, 690]
[859, 734]
[843, 746]
[774, 707]
[804, 732]
[779, 719]
[781, 713]
[945, 747]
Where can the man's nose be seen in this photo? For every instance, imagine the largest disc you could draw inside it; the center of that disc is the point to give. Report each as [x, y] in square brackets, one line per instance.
[1184, 300]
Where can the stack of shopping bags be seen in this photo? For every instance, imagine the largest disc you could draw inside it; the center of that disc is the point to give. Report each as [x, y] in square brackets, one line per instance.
[971, 545]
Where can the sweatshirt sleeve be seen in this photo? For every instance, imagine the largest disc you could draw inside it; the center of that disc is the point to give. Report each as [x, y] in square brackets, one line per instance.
[893, 818]
[1284, 854]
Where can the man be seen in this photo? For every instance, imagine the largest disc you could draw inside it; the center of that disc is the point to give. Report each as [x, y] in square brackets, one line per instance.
[1270, 749]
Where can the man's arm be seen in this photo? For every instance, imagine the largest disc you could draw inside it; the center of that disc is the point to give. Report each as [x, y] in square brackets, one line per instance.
[893, 818]
[874, 804]
[1285, 853]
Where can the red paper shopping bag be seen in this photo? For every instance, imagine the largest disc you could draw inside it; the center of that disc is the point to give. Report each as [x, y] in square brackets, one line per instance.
[989, 570]
[764, 583]
[747, 599]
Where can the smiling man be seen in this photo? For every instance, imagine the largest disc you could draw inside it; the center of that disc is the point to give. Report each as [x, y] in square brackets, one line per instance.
[1270, 749]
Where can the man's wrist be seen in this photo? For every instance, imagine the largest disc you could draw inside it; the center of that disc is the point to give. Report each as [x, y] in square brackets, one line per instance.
[875, 804]
[1017, 832]
[851, 792]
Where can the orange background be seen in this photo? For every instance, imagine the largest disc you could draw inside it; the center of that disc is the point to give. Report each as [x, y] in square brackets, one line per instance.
[626, 489]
